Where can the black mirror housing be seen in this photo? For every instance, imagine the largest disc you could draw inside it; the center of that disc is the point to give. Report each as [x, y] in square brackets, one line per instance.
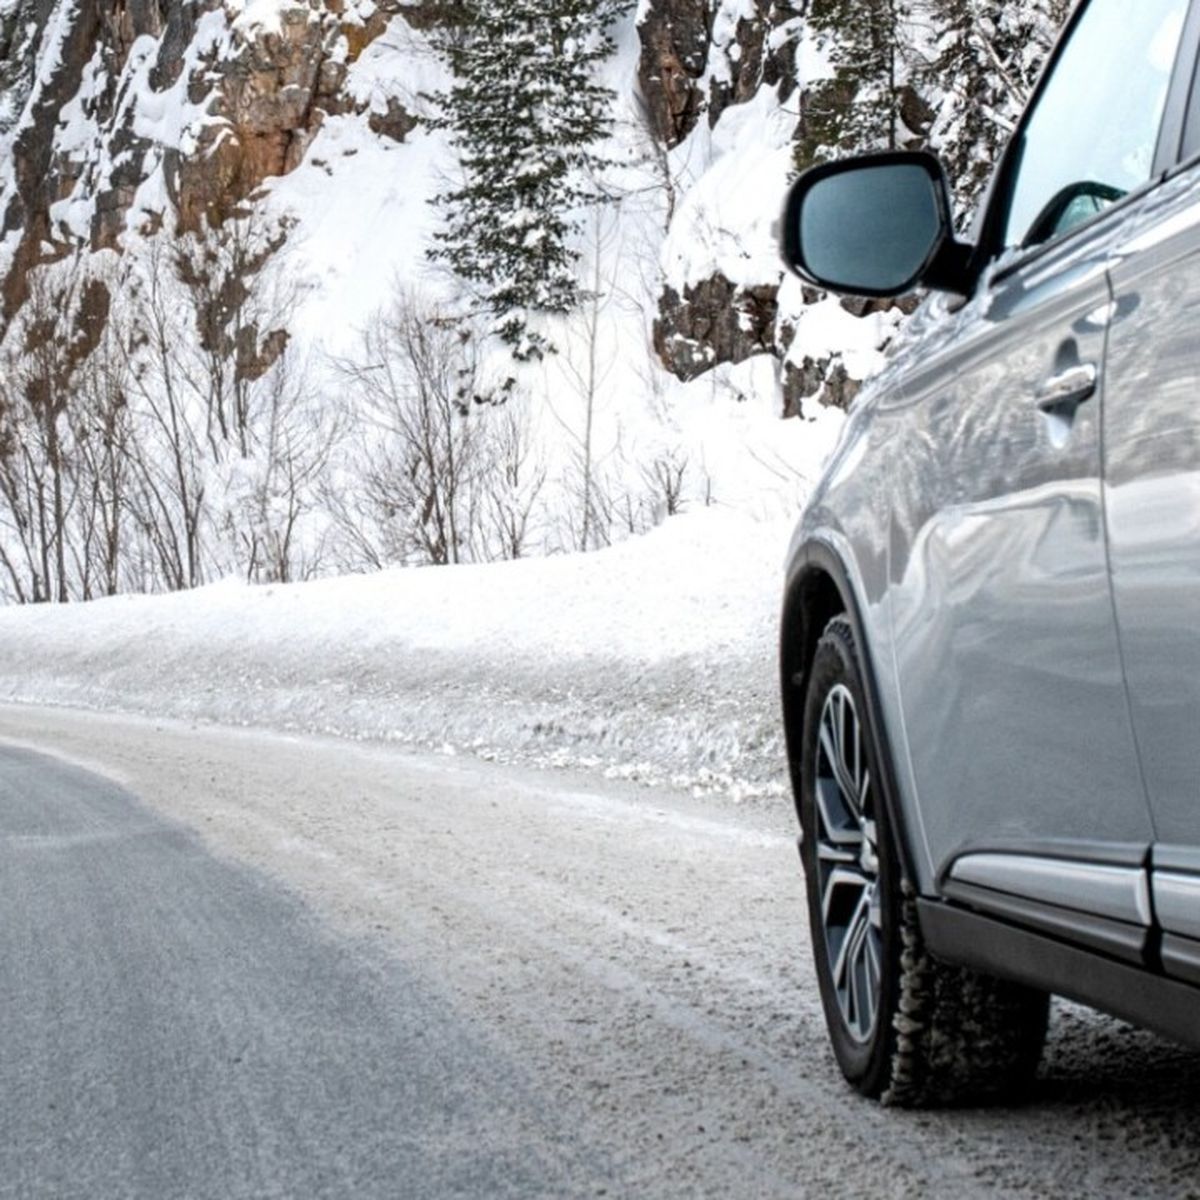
[878, 225]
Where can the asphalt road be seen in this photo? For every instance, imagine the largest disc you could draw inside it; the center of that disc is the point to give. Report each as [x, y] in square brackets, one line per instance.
[173, 1024]
[239, 964]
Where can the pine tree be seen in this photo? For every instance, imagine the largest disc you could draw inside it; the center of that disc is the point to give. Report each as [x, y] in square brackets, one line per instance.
[528, 117]
[985, 62]
[20, 32]
[866, 104]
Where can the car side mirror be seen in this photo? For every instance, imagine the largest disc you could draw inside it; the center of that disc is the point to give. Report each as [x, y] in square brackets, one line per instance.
[879, 225]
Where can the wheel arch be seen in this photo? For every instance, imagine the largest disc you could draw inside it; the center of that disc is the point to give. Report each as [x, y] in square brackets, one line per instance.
[818, 590]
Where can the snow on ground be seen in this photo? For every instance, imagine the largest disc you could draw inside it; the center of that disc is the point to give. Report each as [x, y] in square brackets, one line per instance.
[738, 175]
[653, 660]
[361, 202]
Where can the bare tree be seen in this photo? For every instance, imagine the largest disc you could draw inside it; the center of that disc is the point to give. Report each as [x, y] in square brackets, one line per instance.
[151, 434]
[22, 479]
[665, 476]
[581, 364]
[223, 465]
[291, 444]
[420, 446]
[102, 433]
[57, 330]
[240, 308]
[514, 482]
[168, 496]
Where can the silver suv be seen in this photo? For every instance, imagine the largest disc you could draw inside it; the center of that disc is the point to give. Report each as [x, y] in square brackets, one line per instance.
[991, 628]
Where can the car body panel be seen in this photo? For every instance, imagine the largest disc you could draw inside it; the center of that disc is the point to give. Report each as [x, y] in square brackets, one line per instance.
[930, 532]
[1152, 494]
[845, 521]
[1024, 582]
[1006, 649]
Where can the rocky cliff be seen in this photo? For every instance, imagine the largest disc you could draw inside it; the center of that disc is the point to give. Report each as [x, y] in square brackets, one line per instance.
[221, 325]
[120, 114]
[723, 81]
[134, 115]
[700, 61]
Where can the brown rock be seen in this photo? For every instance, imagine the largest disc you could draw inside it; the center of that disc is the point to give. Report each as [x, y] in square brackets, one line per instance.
[825, 380]
[675, 44]
[396, 123]
[270, 98]
[714, 322]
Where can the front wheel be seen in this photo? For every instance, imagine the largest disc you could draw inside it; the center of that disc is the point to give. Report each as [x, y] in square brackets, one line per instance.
[905, 1027]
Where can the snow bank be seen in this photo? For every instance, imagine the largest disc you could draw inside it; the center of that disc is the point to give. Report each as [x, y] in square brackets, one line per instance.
[653, 660]
[726, 220]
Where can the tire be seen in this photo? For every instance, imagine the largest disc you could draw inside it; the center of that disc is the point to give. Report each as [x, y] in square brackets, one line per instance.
[906, 1028]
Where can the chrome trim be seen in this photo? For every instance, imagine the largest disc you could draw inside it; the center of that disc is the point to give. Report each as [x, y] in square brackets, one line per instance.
[1177, 860]
[1120, 893]
[1069, 389]
[1177, 902]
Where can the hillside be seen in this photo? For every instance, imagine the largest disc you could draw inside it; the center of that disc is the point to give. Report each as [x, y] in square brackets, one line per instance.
[225, 342]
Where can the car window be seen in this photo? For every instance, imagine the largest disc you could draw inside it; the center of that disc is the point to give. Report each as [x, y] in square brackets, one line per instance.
[1092, 137]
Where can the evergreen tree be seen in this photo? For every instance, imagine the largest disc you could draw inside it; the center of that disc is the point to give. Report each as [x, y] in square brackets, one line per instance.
[984, 64]
[951, 73]
[527, 116]
[21, 24]
[867, 103]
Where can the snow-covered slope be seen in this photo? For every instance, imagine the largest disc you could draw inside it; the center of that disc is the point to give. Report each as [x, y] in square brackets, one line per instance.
[654, 659]
[223, 345]
[253, 181]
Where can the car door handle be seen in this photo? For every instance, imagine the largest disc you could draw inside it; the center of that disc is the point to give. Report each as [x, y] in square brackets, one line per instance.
[1064, 393]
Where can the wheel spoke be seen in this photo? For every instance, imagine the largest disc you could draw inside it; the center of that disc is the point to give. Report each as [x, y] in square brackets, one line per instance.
[871, 975]
[857, 773]
[847, 858]
[833, 854]
[830, 827]
[861, 1007]
[832, 744]
[853, 929]
[876, 967]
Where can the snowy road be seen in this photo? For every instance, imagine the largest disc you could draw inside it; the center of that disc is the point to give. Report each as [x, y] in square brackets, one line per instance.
[245, 964]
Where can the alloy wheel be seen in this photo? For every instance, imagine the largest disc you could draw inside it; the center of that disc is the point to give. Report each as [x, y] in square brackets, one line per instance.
[848, 863]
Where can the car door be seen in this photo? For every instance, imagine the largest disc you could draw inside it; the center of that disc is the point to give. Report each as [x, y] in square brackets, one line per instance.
[1152, 501]
[1021, 747]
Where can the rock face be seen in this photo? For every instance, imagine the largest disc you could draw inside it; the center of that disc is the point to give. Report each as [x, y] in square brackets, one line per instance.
[699, 59]
[20, 30]
[86, 137]
[700, 56]
[871, 86]
[675, 45]
[714, 322]
[120, 113]
[756, 52]
[273, 97]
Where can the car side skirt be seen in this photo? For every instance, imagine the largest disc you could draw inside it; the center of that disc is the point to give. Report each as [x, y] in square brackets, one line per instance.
[1121, 939]
[1136, 994]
